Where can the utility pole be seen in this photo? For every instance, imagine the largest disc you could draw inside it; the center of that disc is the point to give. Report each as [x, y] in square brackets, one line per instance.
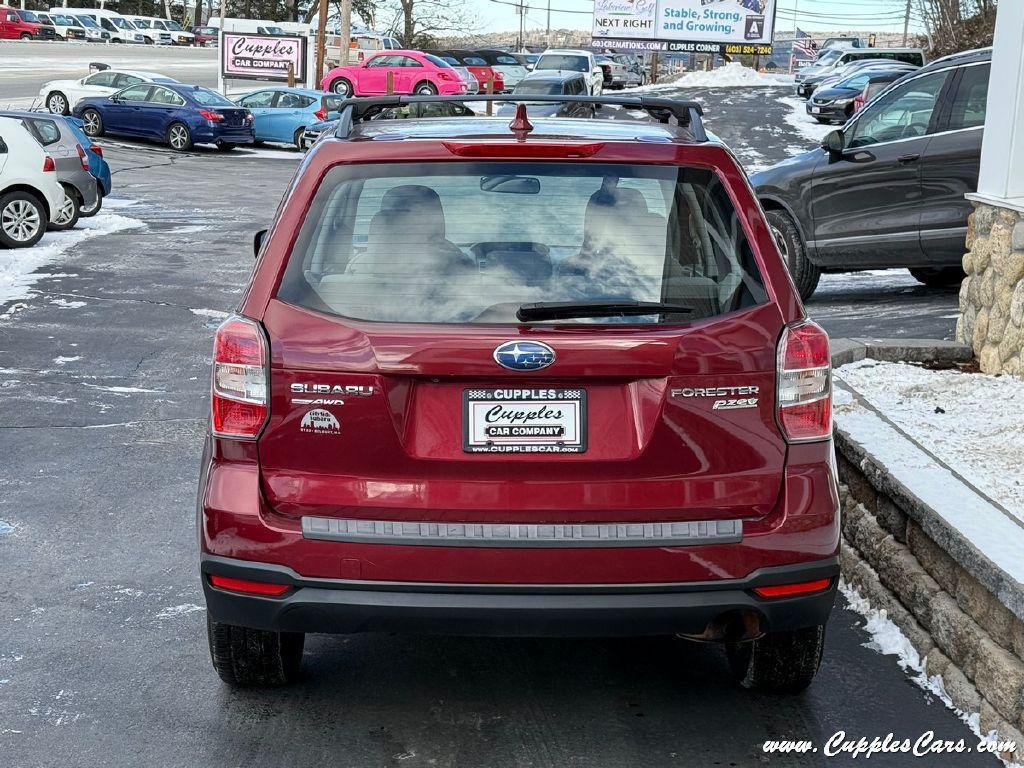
[547, 37]
[321, 35]
[522, 18]
[346, 30]
[906, 24]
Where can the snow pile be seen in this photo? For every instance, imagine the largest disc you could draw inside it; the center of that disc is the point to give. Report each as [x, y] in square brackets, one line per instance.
[889, 640]
[18, 265]
[966, 420]
[732, 75]
[806, 126]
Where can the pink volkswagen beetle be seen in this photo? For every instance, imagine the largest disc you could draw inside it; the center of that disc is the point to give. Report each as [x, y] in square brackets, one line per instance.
[412, 72]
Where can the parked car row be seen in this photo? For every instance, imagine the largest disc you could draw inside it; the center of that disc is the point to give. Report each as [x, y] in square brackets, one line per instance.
[457, 72]
[837, 97]
[97, 25]
[51, 174]
[834, 60]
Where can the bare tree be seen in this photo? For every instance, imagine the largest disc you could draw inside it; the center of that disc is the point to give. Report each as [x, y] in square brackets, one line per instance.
[957, 25]
[419, 22]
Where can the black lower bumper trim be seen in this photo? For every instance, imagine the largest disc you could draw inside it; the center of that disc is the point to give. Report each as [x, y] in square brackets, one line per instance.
[344, 607]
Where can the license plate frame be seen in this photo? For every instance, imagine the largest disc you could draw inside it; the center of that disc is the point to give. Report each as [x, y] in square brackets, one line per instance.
[570, 402]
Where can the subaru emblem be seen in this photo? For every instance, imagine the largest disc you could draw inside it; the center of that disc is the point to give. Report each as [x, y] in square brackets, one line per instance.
[524, 355]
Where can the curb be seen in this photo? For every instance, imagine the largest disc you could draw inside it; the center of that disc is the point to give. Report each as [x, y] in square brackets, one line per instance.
[845, 351]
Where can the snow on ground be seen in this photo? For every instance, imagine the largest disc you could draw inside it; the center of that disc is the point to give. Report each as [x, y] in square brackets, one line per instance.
[887, 639]
[732, 75]
[18, 265]
[806, 125]
[967, 420]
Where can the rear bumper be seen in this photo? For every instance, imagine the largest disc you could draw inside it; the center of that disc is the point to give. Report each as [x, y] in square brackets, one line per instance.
[827, 111]
[343, 606]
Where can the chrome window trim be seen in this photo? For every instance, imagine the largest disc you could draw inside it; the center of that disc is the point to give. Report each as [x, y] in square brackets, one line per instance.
[853, 120]
[455, 534]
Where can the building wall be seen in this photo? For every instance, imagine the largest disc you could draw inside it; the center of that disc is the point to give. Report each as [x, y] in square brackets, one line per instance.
[992, 295]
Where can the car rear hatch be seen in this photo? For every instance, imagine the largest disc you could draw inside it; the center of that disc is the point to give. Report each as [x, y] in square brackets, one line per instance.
[438, 406]
[233, 118]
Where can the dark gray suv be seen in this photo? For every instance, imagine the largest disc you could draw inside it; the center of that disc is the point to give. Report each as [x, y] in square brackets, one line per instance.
[887, 189]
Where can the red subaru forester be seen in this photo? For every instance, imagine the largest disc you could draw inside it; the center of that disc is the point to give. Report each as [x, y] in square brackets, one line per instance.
[528, 378]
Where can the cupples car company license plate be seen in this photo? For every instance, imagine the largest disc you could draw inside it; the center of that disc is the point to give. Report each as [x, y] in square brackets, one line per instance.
[518, 420]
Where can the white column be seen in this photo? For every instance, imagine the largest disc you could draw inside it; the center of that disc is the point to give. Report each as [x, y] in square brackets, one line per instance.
[1002, 152]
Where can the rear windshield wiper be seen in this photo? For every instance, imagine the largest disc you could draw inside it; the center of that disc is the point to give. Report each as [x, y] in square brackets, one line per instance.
[563, 310]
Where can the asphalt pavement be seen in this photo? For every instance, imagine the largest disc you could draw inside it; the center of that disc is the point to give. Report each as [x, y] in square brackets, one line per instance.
[103, 661]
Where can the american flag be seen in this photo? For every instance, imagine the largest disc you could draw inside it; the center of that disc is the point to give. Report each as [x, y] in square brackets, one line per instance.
[802, 48]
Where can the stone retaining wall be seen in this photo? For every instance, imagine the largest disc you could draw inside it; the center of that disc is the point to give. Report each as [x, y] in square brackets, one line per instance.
[992, 295]
[965, 633]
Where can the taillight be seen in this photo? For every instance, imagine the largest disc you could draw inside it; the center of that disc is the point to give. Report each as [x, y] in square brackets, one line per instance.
[49, 165]
[82, 157]
[97, 149]
[804, 383]
[791, 590]
[213, 117]
[239, 393]
[321, 114]
[249, 587]
[443, 75]
[858, 103]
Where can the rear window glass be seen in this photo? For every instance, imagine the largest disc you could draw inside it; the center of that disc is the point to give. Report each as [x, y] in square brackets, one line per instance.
[560, 61]
[208, 98]
[471, 242]
[538, 87]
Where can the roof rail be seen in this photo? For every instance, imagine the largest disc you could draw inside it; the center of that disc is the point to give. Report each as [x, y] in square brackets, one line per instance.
[686, 114]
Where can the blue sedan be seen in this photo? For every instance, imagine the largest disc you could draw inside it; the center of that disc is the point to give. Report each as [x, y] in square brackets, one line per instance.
[178, 114]
[282, 114]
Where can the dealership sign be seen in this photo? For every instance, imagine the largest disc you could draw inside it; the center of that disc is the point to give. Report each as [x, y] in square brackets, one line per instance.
[690, 26]
[262, 57]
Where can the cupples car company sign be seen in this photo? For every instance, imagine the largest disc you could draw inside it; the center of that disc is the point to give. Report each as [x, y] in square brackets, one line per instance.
[732, 26]
[263, 57]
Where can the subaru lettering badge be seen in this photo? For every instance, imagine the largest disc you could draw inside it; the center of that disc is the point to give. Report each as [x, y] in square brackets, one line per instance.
[524, 355]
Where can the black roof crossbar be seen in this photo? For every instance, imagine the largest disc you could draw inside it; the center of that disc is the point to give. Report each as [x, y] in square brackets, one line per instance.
[686, 114]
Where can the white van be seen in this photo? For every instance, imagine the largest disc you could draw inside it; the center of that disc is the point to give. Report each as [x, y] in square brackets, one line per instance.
[121, 30]
[66, 26]
[150, 33]
[254, 26]
[163, 30]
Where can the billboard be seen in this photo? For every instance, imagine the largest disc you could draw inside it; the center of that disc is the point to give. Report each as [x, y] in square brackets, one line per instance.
[691, 26]
[262, 57]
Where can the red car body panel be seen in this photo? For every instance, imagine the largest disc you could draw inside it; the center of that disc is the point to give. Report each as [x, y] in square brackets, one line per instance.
[12, 26]
[368, 80]
[652, 456]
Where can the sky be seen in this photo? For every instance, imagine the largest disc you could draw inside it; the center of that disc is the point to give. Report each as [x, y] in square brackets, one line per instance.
[809, 15]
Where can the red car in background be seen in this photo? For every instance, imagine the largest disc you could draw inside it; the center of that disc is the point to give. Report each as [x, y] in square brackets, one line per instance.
[16, 24]
[411, 72]
[480, 69]
[204, 35]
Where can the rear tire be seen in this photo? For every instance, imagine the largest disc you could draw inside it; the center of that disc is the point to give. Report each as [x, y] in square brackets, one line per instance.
[425, 89]
[778, 662]
[179, 137]
[23, 219]
[939, 277]
[89, 212]
[805, 274]
[297, 138]
[254, 657]
[70, 211]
